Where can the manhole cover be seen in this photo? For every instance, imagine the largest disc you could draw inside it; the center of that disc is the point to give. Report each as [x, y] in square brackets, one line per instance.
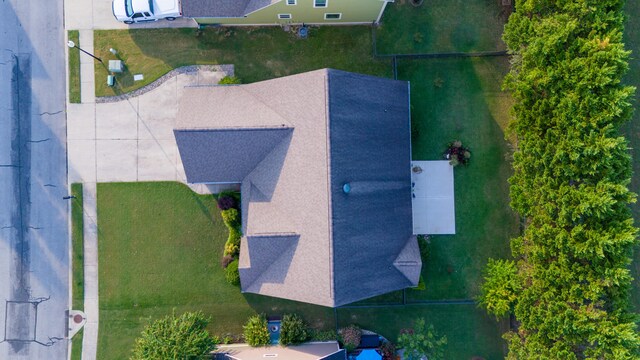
[77, 318]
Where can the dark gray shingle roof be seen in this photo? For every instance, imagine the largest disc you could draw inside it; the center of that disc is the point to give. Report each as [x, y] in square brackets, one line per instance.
[222, 8]
[225, 155]
[370, 146]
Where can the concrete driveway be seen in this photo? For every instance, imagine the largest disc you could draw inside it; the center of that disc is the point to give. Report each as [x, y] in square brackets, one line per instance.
[97, 14]
[130, 140]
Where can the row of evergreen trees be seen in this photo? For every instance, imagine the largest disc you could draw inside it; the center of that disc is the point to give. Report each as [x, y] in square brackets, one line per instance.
[569, 284]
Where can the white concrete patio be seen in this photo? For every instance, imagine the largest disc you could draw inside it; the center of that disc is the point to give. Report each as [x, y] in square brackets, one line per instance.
[433, 198]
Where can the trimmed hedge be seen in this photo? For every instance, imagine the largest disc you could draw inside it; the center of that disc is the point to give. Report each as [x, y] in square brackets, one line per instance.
[571, 176]
[231, 218]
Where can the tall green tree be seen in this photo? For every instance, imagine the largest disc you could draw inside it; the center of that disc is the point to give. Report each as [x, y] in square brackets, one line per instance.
[499, 292]
[570, 183]
[174, 337]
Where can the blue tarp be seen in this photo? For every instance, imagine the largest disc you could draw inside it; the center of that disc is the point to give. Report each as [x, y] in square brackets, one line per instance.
[369, 354]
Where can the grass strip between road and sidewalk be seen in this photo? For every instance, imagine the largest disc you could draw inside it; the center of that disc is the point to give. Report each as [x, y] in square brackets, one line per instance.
[77, 239]
[74, 68]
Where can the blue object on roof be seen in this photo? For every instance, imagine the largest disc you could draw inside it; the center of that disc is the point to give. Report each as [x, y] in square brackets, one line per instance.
[369, 354]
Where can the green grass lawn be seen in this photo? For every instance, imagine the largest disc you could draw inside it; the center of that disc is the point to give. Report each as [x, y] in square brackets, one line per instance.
[160, 247]
[77, 240]
[470, 332]
[442, 26]
[74, 68]
[460, 99]
[632, 129]
[257, 53]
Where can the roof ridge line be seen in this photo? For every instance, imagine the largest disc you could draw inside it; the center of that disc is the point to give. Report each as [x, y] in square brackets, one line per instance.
[264, 158]
[273, 234]
[236, 128]
[327, 120]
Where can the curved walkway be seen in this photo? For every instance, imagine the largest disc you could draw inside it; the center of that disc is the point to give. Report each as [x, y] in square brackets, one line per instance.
[197, 70]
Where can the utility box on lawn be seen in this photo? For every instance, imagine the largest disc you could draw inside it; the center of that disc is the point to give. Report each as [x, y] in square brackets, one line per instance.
[115, 66]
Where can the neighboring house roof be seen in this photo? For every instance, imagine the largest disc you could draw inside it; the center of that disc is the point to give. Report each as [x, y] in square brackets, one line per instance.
[223, 8]
[305, 238]
[307, 351]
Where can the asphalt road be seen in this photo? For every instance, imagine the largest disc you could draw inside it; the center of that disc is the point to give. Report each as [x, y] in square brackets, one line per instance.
[34, 250]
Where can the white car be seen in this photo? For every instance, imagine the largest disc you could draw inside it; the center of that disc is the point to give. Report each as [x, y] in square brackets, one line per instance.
[134, 11]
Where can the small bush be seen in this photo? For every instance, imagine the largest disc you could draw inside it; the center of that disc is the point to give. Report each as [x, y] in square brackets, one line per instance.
[231, 218]
[226, 260]
[229, 80]
[234, 236]
[388, 351]
[293, 330]
[351, 336]
[232, 274]
[457, 153]
[227, 339]
[226, 202]
[421, 285]
[256, 332]
[231, 249]
[327, 335]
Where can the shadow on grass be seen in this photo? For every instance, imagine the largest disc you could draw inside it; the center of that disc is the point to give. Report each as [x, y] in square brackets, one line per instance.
[257, 53]
[632, 130]
[460, 99]
[442, 26]
[318, 317]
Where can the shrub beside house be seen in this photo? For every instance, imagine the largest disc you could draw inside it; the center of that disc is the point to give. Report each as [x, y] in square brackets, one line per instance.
[228, 205]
